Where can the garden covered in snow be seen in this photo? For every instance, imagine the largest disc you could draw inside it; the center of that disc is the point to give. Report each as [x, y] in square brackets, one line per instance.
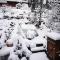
[19, 35]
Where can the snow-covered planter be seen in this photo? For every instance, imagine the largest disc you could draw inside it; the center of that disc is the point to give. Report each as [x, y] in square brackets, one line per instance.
[9, 43]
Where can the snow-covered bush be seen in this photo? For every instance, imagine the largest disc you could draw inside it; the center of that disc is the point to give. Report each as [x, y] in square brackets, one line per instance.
[13, 57]
[31, 34]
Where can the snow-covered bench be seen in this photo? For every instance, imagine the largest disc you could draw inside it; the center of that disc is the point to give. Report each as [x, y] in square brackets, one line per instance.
[38, 44]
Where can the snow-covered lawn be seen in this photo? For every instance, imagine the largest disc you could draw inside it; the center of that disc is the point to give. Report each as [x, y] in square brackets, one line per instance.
[39, 56]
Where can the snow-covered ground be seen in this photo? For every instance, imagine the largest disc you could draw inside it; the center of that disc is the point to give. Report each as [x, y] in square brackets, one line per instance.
[39, 56]
[21, 30]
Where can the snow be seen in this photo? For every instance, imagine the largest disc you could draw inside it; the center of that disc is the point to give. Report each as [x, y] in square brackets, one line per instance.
[1, 15]
[54, 35]
[31, 34]
[30, 26]
[5, 50]
[39, 56]
[24, 58]
[21, 32]
[13, 57]
[37, 48]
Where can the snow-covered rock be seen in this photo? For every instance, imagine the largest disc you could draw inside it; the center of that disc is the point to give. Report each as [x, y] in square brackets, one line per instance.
[9, 43]
[31, 34]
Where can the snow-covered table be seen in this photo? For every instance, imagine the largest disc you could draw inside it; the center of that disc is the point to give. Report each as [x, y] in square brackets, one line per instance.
[53, 45]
